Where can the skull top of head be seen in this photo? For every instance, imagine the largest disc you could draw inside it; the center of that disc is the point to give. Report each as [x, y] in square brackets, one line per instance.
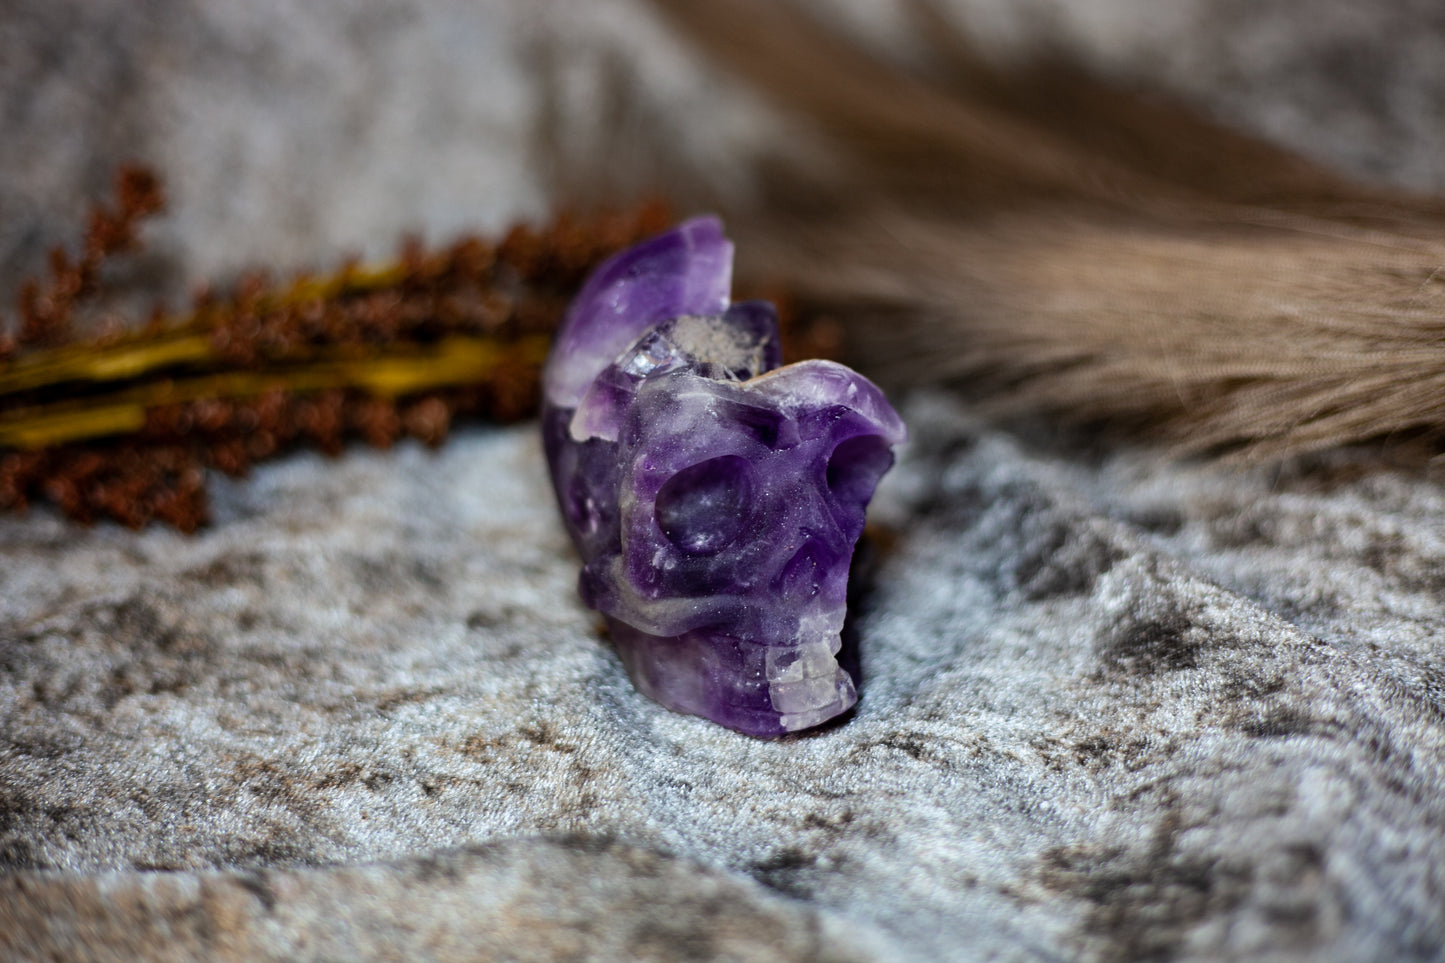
[715, 497]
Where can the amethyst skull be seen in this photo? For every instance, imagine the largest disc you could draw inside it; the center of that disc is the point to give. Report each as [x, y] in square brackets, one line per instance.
[715, 497]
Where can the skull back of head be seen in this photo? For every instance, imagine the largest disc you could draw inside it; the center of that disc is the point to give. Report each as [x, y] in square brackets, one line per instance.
[716, 499]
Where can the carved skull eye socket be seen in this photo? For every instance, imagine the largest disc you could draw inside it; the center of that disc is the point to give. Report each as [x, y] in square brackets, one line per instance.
[855, 468]
[702, 508]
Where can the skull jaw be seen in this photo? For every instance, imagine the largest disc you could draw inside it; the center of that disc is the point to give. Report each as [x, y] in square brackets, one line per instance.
[759, 690]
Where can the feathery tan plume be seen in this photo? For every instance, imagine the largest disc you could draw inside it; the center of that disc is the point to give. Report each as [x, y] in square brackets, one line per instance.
[1054, 245]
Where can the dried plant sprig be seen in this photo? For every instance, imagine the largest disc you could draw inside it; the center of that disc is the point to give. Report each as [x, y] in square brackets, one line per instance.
[473, 287]
[124, 426]
[46, 310]
[403, 370]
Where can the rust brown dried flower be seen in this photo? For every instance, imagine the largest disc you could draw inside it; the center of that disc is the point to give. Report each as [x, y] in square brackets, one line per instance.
[46, 310]
[123, 425]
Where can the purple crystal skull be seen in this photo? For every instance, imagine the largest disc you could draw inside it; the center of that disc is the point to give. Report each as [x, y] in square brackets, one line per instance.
[715, 497]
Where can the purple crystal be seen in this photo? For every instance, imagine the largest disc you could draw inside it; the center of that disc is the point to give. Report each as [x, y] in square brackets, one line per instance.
[715, 497]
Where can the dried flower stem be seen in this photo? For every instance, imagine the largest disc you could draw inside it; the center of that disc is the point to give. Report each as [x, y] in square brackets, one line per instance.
[123, 425]
[402, 371]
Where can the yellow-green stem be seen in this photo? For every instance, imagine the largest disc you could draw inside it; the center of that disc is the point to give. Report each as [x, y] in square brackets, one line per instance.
[402, 371]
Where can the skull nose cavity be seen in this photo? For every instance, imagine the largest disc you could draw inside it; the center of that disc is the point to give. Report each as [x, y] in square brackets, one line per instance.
[854, 470]
[802, 577]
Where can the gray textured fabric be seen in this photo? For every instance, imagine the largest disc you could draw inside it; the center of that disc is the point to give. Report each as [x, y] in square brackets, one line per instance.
[1114, 707]
[570, 899]
[1110, 709]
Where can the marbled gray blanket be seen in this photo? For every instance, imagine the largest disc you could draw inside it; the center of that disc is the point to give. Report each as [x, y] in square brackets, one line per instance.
[1114, 706]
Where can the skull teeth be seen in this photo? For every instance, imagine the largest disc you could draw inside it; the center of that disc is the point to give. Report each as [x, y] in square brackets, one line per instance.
[814, 693]
[796, 664]
[803, 705]
[805, 680]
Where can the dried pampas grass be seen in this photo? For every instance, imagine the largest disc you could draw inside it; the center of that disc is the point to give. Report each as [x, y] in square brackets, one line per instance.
[1052, 245]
